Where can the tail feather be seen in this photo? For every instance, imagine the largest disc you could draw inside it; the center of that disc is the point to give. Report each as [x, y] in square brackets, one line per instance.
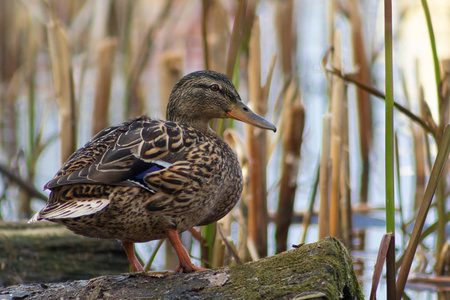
[70, 209]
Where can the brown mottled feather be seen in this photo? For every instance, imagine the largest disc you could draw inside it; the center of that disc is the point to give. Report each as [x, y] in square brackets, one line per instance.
[186, 194]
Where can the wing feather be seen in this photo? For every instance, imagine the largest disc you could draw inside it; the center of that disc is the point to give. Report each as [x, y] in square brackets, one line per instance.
[135, 147]
[70, 209]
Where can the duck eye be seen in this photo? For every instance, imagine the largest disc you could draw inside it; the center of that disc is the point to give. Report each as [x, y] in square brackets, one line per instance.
[214, 87]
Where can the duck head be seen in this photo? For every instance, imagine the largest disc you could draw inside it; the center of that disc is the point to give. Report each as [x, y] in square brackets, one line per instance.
[204, 95]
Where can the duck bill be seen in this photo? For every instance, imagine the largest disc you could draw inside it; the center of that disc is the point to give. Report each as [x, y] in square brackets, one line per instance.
[242, 113]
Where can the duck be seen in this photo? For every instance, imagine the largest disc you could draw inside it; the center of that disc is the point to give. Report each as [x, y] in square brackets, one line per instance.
[148, 179]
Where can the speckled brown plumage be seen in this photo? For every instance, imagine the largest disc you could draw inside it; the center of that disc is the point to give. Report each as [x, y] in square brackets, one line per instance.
[139, 180]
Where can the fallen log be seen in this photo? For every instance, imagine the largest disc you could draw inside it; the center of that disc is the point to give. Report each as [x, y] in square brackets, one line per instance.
[321, 270]
[48, 252]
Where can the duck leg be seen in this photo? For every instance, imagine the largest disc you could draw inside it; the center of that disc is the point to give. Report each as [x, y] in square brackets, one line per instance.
[131, 254]
[185, 266]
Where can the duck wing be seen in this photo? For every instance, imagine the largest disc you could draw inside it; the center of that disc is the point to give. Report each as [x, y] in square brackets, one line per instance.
[141, 152]
[127, 154]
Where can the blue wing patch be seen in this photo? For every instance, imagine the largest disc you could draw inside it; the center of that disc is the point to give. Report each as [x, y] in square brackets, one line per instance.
[154, 166]
[152, 169]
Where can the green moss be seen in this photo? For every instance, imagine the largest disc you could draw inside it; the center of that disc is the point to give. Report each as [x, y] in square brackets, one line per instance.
[323, 267]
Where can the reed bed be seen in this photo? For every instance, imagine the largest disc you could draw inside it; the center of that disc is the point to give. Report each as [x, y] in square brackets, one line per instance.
[69, 70]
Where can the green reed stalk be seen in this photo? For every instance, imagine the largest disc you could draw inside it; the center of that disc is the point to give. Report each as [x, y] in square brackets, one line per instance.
[389, 109]
[389, 150]
[437, 72]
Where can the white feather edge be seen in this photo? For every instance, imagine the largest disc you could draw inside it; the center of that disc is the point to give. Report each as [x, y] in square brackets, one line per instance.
[71, 210]
[162, 163]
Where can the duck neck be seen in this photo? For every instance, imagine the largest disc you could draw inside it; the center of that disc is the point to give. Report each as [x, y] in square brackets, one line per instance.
[198, 123]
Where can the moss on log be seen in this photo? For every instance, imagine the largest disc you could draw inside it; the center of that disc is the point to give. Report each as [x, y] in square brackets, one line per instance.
[47, 252]
[321, 270]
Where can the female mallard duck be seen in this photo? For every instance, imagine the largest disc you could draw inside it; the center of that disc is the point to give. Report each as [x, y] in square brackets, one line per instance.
[149, 179]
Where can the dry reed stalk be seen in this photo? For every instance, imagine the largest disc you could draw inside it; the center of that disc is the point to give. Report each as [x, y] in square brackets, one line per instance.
[293, 114]
[345, 200]
[223, 230]
[105, 63]
[250, 13]
[233, 138]
[221, 51]
[222, 238]
[286, 35]
[310, 211]
[291, 143]
[10, 75]
[441, 266]
[170, 71]
[124, 18]
[399, 192]
[337, 95]
[266, 88]
[253, 251]
[100, 19]
[9, 39]
[419, 154]
[379, 95]
[134, 96]
[442, 222]
[257, 148]
[216, 34]
[436, 172]
[242, 220]
[425, 114]
[64, 89]
[9, 116]
[441, 206]
[229, 243]
[364, 108]
[205, 13]
[385, 247]
[324, 179]
[32, 153]
[236, 37]
[444, 114]
[419, 159]
[25, 211]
